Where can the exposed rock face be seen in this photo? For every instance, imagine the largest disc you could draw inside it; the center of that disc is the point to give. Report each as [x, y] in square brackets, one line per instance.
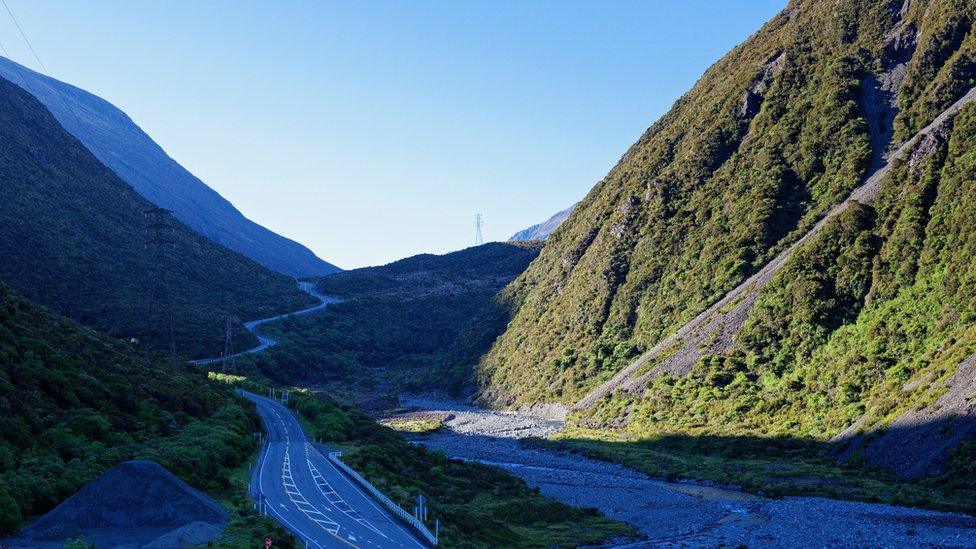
[542, 230]
[753, 96]
[918, 442]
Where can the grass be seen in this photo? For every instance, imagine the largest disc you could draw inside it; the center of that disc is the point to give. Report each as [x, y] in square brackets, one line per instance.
[413, 425]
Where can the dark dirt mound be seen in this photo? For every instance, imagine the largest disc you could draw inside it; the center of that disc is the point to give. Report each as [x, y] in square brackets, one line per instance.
[140, 497]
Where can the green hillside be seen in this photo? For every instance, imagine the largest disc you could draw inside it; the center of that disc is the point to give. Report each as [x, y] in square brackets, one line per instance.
[73, 237]
[419, 323]
[856, 342]
[773, 135]
[75, 402]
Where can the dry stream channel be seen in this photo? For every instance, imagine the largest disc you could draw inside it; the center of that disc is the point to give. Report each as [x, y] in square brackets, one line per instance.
[681, 514]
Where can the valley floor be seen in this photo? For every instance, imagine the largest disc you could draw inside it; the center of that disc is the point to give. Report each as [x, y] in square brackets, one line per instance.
[680, 513]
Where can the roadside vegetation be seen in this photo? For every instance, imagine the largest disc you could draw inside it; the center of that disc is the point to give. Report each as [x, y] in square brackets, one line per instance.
[75, 402]
[247, 528]
[478, 505]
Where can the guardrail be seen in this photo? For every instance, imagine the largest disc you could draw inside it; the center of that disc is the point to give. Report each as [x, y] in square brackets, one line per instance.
[387, 502]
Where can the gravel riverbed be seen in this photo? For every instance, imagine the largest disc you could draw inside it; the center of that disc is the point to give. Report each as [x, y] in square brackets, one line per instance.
[679, 514]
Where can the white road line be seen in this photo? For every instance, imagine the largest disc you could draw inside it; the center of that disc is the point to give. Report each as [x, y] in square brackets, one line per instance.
[298, 499]
[284, 426]
[326, 489]
[368, 498]
[264, 459]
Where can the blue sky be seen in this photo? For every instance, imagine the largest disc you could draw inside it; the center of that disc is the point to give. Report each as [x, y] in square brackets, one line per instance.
[370, 131]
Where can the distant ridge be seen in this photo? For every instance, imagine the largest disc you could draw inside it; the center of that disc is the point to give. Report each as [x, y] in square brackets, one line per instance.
[541, 231]
[128, 151]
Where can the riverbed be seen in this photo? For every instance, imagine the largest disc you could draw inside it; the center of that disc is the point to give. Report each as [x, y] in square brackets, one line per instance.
[677, 513]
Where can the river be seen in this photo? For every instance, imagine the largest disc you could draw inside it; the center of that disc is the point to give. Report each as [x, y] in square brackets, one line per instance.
[680, 513]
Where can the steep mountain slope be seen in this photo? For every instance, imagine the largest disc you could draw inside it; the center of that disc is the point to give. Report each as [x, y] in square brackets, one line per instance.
[73, 237]
[419, 323]
[75, 402]
[771, 139]
[541, 231]
[122, 146]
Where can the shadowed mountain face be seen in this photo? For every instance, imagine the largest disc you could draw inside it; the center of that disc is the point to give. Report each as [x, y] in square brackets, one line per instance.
[122, 146]
[73, 238]
[541, 231]
[419, 323]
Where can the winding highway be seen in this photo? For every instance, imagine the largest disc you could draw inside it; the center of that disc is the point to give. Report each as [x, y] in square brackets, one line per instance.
[296, 484]
[266, 342]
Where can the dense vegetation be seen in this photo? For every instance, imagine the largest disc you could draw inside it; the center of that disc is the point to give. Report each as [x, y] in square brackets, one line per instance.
[73, 238]
[420, 323]
[867, 321]
[74, 402]
[772, 136]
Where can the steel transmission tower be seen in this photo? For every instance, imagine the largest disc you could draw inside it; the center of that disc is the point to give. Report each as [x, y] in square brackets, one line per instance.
[227, 360]
[160, 239]
[479, 222]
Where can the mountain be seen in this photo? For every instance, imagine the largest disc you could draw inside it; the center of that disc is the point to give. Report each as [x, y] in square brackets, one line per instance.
[541, 231]
[73, 237]
[785, 253]
[122, 146]
[419, 323]
[76, 402]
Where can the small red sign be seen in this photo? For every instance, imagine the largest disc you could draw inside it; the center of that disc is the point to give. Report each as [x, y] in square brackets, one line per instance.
[267, 542]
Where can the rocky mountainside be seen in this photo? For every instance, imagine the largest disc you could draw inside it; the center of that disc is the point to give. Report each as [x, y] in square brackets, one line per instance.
[782, 253]
[73, 237]
[122, 146]
[541, 231]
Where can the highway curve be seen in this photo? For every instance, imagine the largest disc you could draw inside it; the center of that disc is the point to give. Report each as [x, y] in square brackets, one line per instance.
[267, 342]
[296, 484]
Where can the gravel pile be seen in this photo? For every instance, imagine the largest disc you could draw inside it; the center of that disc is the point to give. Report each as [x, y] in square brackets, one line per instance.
[134, 504]
[683, 514]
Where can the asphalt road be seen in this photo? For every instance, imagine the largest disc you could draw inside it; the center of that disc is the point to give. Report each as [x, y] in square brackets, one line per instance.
[308, 495]
[265, 342]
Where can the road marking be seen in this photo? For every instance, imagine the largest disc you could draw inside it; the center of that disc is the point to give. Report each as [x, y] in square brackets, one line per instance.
[335, 499]
[393, 520]
[271, 407]
[297, 498]
[264, 459]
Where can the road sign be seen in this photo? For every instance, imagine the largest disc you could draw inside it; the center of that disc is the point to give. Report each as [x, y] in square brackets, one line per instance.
[267, 542]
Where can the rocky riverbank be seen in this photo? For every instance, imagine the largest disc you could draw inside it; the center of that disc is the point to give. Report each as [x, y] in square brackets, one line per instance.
[678, 513]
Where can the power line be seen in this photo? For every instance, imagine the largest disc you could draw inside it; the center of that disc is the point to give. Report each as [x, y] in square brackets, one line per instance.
[22, 34]
[19, 72]
[40, 63]
[160, 237]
